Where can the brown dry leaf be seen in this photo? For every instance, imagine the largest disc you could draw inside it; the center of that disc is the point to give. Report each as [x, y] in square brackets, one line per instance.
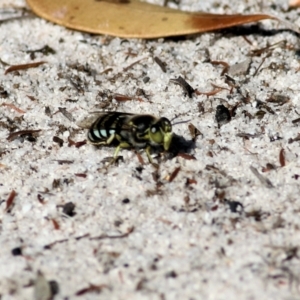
[294, 3]
[132, 18]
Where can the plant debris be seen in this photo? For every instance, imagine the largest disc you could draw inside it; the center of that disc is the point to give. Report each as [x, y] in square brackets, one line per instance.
[91, 289]
[265, 181]
[23, 67]
[106, 236]
[186, 87]
[282, 158]
[21, 111]
[42, 289]
[12, 136]
[194, 131]
[10, 200]
[222, 115]
[16, 251]
[46, 50]
[69, 208]
[161, 64]
[174, 174]
[234, 206]
[58, 140]
[76, 144]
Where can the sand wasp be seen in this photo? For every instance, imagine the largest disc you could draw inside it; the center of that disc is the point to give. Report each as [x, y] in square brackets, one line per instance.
[127, 130]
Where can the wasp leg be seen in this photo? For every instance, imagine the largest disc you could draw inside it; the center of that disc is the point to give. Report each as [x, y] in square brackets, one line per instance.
[97, 143]
[148, 152]
[119, 147]
[107, 142]
[110, 139]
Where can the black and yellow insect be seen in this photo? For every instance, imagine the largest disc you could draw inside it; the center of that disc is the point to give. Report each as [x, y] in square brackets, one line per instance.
[127, 130]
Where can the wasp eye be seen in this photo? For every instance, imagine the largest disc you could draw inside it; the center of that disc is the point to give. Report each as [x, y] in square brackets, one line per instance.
[166, 125]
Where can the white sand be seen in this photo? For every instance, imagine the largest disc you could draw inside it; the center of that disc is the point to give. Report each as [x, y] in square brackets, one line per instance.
[186, 244]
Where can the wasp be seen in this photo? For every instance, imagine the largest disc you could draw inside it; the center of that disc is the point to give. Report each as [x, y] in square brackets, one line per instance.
[127, 130]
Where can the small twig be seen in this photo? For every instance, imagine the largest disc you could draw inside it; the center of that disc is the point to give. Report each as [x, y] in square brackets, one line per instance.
[134, 63]
[106, 236]
[49, 246]
[258, 52]
[14, 108]
[223, 63]
[282, 158]
[76, 144]
[265, 181]
[67, 114]
[186, 87]
[24, 66]
[16, 134]
[10, 200]
[91, 289]
[215, 91]
[122, 98]
[160, 63]
[140, 158]
[262, 62]
[174, 174]
[186, 156]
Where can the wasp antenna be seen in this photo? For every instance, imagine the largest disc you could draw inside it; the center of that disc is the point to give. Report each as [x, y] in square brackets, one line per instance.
[176, 116]
[181, 122]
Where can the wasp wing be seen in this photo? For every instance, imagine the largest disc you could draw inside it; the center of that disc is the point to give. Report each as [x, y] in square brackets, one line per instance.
[91, 118]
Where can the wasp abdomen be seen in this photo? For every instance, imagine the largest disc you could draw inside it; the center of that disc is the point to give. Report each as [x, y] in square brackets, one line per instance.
[104, 128]
[95, 135]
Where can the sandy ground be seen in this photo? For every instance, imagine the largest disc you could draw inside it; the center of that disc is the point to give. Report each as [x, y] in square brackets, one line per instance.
[227, 226]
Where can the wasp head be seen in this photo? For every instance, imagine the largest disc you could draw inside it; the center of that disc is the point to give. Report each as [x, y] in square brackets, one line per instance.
[161, 133]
